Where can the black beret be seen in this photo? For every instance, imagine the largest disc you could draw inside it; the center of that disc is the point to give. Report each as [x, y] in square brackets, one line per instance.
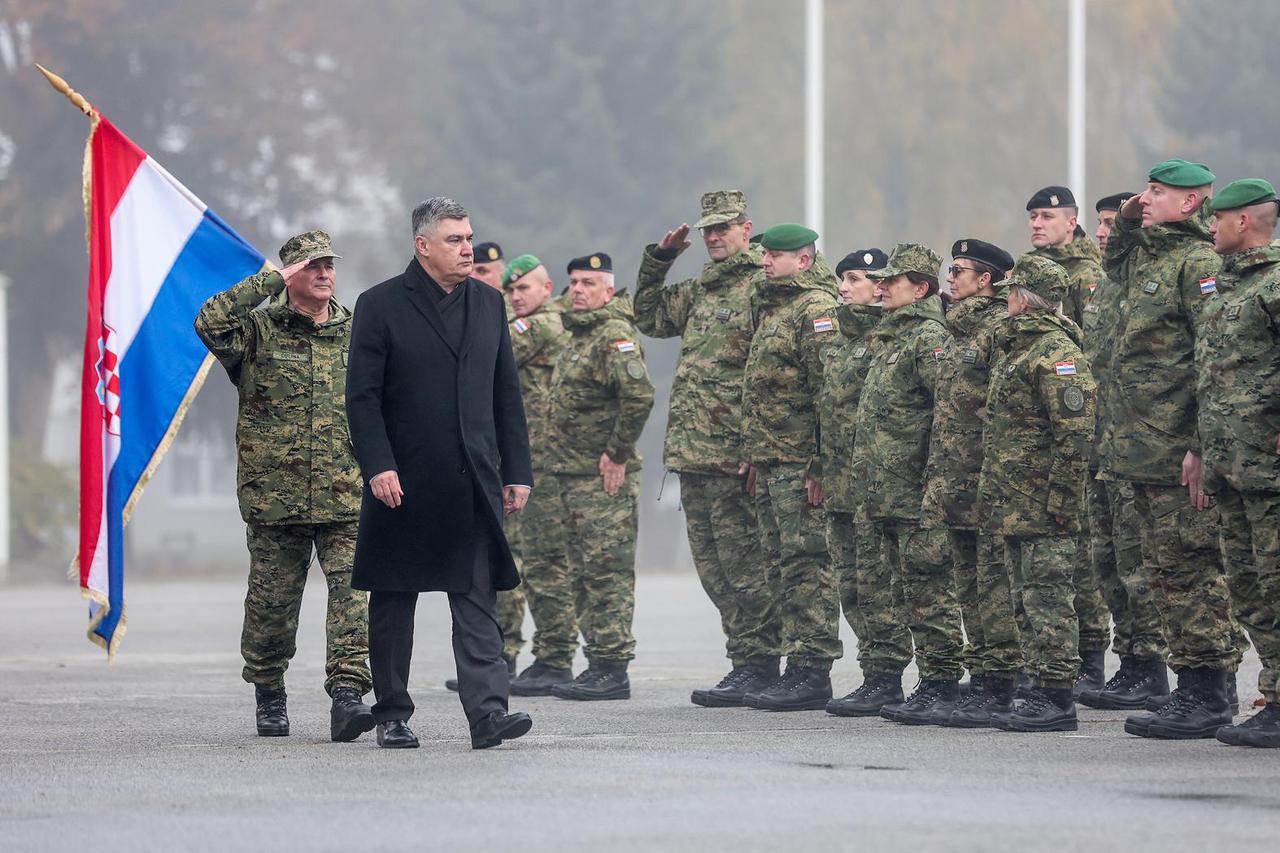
[984, 253]
[862, 259]
[756, 237]
[1052, 197]
[1112, 202]
[597, 261]
[487, 253]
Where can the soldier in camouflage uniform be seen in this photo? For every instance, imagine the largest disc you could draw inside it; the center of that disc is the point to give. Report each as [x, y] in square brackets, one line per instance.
[1053, 218]
[712, 315]
[538, 336]
[1040, 420]
[599, 399]
[994, 659]
[894, 420]
[1160, 255]
[851, 542]
[1115, 543]
[1238, 367]
[298, 481]
[793, 313]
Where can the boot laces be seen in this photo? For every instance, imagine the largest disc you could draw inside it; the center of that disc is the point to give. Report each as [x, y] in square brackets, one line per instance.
[1118, 682]
[738, 676]
[274, 705]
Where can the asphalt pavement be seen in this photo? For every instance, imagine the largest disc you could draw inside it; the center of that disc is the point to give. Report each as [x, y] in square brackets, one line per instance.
[158, 752]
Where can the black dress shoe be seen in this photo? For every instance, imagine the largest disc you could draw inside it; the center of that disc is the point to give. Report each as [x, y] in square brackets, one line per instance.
[349, 717]
[396, 734]
[497, 727]
[272, 715]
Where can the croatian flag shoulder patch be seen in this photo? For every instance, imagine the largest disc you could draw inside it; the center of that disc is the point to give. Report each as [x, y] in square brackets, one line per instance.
[521, 325]
[823, 324]
[1065, 368]
[1208, 285]
[625, 345]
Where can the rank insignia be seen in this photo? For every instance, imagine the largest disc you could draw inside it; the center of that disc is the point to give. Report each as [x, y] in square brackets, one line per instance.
[723, 314]
[1151, 287]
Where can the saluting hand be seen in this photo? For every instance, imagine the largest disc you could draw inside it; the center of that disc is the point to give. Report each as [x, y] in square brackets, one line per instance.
[1132, 208]
[292, 270]
[676, 241]
[386, 488]
[612, 474]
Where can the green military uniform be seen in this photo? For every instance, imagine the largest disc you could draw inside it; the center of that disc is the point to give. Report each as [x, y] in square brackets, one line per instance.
[599, 399]
[1239, 418]
[1040, 420]
[894, 422]
[951, 485]
[298, 481]
[711, 313]
[794, 320]
[1154, 423]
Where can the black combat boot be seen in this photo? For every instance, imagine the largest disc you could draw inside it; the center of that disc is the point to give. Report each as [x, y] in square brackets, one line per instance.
[273, 713]
[930, 705]
[1155, 703]
[1024, 688]
[452, 683]
[801, 688]
[1148, 677]
[1093, 672]
[349, 717]
[1136, 724]
[1047, 709]
[741, 680]
[878, 690]
[976, 710]
[1203, 708]
[1117, 683]
[538, 679]
[600, 680]
[971, 687]
[1261, 730]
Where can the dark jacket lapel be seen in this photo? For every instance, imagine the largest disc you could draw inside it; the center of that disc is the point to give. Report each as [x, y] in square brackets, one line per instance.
[416, 282]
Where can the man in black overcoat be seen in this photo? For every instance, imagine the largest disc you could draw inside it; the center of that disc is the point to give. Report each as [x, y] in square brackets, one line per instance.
[433, 401]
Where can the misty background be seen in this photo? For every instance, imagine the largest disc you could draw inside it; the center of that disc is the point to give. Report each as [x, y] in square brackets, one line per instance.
[565, 127]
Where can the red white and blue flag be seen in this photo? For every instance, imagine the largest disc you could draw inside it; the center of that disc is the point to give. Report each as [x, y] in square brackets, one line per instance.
[156, 253]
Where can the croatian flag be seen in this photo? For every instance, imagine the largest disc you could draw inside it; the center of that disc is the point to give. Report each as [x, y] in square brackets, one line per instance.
[156, 253]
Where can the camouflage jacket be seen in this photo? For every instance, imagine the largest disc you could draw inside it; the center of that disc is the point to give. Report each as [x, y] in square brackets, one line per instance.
[1040, 411]
[959, 412]
[843, 372]
[712, 313]
[1083, 263]
[537, 341]
[1239, 373]
[895, 413]
[1165, 273]
[600, 391]
[1101, 313]
[794, 320]
[296, 463]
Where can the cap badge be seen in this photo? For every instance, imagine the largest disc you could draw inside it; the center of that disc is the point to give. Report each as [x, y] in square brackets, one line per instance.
[595, 262]
[1053, 200]
[493, 254]
[868, 258]
[964, 246]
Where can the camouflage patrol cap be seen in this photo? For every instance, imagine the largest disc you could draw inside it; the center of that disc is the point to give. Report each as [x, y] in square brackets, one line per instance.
[520, 267]
[909, 257]
[721, 206]
[1243, 193]
[1043, 277]
[306, 247]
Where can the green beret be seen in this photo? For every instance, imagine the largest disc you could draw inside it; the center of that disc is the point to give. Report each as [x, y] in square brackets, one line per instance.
[1182, 174]
[909, 257]
[307, 246]
[1043, 277]
[520, 267]
[721, 206]
[788, 237]
[1242, 194]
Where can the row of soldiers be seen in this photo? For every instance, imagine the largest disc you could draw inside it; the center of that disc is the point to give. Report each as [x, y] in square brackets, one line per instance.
[982, 478]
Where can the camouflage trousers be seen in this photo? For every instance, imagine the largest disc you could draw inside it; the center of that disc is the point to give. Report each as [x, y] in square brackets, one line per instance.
[1181, 543]
[545, 574]
[511, 601]
[1091, 607]
[986, 604]
[929, 595]
[847, 542]
[600, 543]
[725, 541]
[1040, 570]
[794, 539]
[1115, 549]
[886, 646]
[1250, 543]
[279, 558]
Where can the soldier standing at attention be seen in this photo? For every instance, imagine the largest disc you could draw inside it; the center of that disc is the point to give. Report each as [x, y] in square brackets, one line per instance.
[538, 336]
[599, 400]
[1053, 217]
[490, 267]
[1107, 207]
[298, 481]
[895, 417]
[711, 313]
[794, 310]
[976, 278]
[1040, 420]
[1160, 254]
[1239, 393]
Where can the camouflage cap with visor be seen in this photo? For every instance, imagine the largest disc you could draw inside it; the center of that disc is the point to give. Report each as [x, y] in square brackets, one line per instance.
[1041, 276]
[909, 257]
[721, 206]
[306, 247]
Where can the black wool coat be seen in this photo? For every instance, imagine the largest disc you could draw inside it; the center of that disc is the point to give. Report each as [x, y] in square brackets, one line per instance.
[450, 423]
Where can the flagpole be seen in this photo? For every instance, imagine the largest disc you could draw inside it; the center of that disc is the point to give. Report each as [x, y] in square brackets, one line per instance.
[65, 88]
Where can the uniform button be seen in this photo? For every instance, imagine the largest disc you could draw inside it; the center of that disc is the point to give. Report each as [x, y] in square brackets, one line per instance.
[462, 469]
